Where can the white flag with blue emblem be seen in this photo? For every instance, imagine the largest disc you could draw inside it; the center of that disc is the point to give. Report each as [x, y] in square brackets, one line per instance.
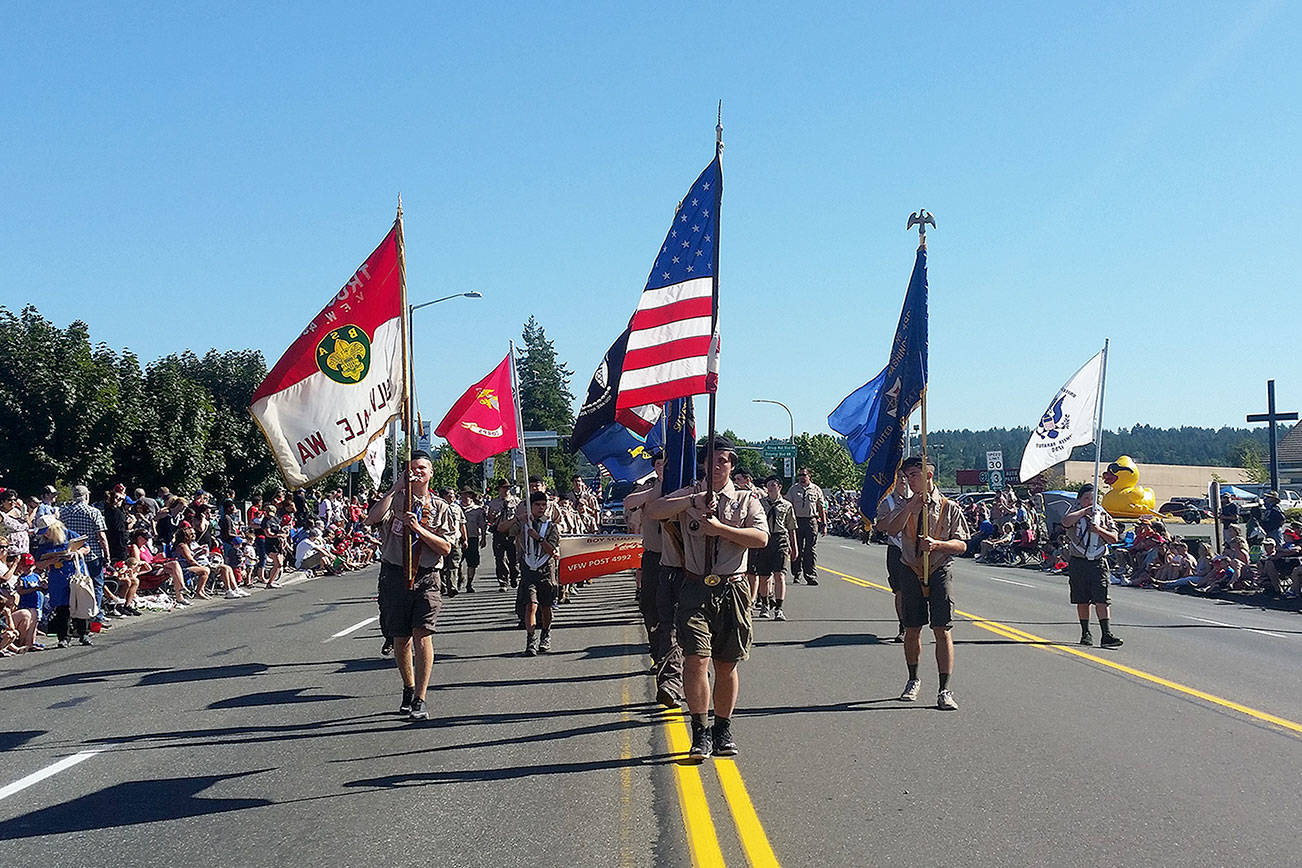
[1069, 422]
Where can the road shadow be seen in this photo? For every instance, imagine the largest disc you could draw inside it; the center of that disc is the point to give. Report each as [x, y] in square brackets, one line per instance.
[18, 738]
[885, 703]
[73, 679]
[460, 776]
[829, 640]
[129, 804]
[531, 682]
[292, 696]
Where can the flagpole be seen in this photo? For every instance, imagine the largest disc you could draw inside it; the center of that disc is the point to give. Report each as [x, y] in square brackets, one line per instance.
[407, 565]
[519, 423]
[1098, 430]
[714, 324]
[922, 446]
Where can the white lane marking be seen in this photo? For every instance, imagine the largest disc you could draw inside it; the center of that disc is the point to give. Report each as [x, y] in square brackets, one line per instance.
[353, 629]
[1010, 582]
[36, 777]
[1239, 627]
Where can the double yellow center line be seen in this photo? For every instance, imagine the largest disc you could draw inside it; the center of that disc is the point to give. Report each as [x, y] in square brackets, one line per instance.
[702, 836]
[1016, 635]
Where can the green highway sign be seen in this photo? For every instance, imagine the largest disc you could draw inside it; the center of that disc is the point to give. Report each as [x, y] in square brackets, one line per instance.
[778, 450]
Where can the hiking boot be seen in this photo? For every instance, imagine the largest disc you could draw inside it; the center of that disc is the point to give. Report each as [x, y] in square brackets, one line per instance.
[945, 700]
[531, 645]
[911, 690]
[702, 744]
[668, 698]
[545, 642]
[418, 711]
[723, 741]
[1086, 638]
[1110, 641]
[408, 693]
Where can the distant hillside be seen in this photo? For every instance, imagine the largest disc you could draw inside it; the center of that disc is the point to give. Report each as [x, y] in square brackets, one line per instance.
[1224, 447]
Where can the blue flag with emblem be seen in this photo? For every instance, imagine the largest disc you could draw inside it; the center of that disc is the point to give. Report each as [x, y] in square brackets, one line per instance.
[873, 417]
[679, 426]
[626, 456]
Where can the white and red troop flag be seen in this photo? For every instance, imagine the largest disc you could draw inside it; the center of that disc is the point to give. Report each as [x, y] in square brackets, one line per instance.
[341, 382]
[482, 422]
[673, 342]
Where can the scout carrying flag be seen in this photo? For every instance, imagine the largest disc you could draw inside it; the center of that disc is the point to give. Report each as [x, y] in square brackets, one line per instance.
[341, 381]
[482, 422]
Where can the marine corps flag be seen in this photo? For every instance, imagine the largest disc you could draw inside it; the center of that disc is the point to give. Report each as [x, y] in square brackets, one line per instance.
[338, 385]
[482, 421]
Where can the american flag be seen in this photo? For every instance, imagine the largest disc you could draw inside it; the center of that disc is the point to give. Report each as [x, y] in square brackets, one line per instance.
[673, 342]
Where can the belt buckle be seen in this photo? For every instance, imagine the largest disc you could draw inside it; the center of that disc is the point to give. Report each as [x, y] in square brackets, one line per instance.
[712, 579]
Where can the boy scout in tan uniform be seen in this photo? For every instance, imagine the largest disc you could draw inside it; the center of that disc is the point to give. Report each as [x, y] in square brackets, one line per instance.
[714, 618]
[810, 506]
[926, 599]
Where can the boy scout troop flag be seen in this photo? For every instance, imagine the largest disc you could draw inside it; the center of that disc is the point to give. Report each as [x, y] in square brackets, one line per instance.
[338, 385]
[482, 421]
[1069, 422]
[673, 341]
[874, 416]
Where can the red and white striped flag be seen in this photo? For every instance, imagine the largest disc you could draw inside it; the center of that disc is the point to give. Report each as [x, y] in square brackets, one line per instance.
[673, 342]
[341, 381]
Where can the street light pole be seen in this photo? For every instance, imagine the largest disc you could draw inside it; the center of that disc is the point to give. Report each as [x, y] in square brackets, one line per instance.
[791, 417]
[411, 347]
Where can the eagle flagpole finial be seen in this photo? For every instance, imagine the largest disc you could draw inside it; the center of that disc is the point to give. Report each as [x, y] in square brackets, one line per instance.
[921, 218]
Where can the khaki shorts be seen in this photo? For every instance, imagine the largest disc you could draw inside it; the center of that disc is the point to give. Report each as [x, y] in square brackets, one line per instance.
[403, 609]
[715, 621]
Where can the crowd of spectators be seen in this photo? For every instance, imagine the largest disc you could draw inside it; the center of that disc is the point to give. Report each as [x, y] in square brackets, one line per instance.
[71, 567]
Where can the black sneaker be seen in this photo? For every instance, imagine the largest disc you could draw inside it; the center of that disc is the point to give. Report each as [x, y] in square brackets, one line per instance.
[899, 637]
[545, 642]
[1110, 641]
[723, 742]
[85, 640]
[407, 694]
[418, 711]
[1086, 638]
[387, 648]
[702, 744]
[810, 580]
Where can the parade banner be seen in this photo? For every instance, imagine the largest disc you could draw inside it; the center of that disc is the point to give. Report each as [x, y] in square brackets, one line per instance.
[586, 557]
[673, 342]
[482, 421]
[341, 381]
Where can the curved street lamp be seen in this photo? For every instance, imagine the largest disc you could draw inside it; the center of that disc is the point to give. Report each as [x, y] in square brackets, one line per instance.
[790, 416]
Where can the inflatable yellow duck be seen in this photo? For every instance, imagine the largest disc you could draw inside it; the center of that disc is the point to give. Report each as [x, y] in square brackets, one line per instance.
[1125, 498]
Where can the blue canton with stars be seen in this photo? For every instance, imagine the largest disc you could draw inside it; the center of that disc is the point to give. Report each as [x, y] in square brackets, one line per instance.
[688, 251]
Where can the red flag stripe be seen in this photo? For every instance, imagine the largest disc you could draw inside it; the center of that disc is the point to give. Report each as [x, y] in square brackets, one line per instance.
[658, 393]
[688, 308]
[668, 352]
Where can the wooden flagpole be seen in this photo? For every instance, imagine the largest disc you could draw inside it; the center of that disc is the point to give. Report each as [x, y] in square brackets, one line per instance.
[408, 568]
[714, 326]
[926, 468]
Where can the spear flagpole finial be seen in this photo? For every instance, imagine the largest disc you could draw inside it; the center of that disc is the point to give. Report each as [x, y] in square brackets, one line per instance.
[921, 218]
[718, 130]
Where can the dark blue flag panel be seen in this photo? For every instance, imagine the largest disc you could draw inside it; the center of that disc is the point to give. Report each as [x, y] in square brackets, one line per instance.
[625, 456]
[874, 417]
[678, 423]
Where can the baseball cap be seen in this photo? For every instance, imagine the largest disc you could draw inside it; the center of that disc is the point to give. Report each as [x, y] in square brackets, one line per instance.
[49, 489]
[26, 559]
[80, 492]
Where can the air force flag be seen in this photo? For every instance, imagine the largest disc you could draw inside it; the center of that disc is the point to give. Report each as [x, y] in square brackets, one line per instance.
[1069, 422]
[874, 416]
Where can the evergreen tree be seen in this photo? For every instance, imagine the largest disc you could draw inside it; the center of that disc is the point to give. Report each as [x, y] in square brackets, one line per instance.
[546, 402]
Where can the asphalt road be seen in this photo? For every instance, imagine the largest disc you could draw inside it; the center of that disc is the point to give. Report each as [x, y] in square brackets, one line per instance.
[263, 732]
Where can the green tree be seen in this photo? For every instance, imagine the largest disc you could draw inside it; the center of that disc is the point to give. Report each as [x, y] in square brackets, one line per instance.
[829, 462]
[1252, 458]
[546, 402]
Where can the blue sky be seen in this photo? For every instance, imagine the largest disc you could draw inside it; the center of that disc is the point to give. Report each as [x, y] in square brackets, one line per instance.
[194, 176]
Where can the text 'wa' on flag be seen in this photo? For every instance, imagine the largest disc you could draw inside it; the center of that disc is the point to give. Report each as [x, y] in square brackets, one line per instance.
[673, 342]
[1069, 422]
[341, 381]
[874, 417]
[482, 421]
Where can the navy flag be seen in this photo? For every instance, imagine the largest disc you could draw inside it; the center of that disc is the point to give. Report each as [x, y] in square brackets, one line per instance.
[624, 455]
[679, 426]
[874, 417]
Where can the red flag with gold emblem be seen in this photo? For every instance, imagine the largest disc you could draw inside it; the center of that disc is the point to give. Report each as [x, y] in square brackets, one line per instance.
[482, 421]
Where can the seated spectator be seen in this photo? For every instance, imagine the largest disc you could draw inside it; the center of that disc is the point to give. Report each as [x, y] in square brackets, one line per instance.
[312, 554]
[1178, 563]
[187, 556]
[30, 586]
[14, 516]
[17, 624]
[155, 569]
[993, 543]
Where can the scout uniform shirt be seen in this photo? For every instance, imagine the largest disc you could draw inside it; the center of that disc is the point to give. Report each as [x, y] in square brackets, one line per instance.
[945, 522]
[432, 513]
[475, 519]
[781, 518]
[501, 508]
[1084, 543]
[807, 500]
[736, 509]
